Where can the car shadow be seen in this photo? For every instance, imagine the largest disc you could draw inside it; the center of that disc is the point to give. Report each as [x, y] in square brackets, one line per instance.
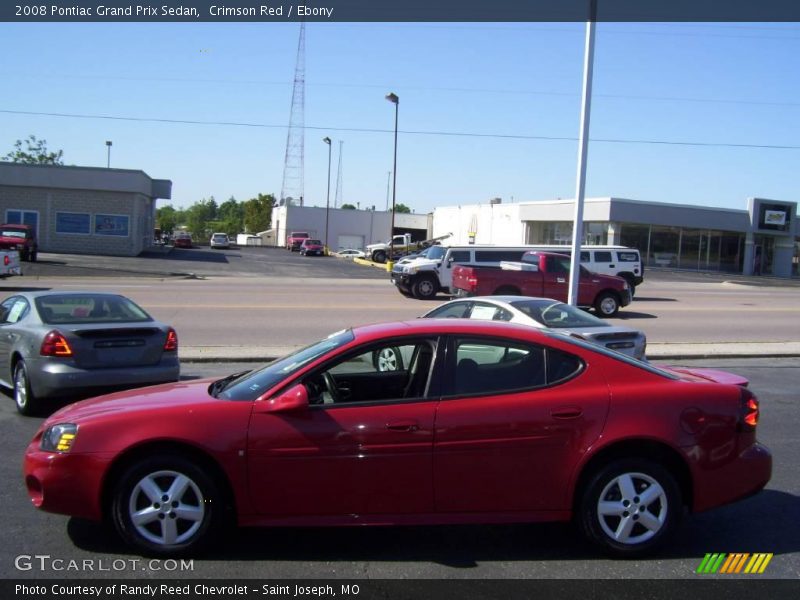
[646, 299]
[26, 289]
[630, 314]
[745, 526]
[188, 255]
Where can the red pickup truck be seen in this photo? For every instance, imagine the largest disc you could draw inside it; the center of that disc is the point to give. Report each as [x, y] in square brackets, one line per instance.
[295, 239]
[543, 274]
[21, 238]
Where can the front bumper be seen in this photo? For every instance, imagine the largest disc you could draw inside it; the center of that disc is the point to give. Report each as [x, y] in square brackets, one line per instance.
[402, 281]
[68, 484]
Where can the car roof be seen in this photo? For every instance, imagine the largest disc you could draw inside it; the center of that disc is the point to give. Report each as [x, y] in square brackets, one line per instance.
[449, 326]
[46, 293]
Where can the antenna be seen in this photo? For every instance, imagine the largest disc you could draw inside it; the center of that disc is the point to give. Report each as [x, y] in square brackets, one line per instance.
[292, 185]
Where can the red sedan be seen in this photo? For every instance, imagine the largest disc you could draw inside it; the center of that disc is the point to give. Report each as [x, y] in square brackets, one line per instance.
[479, 422]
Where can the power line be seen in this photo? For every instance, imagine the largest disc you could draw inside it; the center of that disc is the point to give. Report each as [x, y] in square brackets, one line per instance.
[410, 132]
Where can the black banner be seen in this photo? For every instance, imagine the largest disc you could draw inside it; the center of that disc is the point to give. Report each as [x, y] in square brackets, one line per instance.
[715, 588]
[399, 10]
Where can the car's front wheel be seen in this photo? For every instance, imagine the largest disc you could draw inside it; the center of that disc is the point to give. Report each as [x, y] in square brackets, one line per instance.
[26, 402]
[167, 505]
[607, 304]
[631, 507]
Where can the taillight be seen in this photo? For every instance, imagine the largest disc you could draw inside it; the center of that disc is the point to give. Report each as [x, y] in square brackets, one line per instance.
[55, 344]
[171, 345]
[750, 410]
[6, 260]
[472, 282]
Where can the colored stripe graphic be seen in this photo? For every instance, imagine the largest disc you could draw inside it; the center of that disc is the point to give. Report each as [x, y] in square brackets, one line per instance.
[723, 563]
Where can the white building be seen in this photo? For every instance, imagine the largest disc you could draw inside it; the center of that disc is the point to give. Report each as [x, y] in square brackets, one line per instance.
[759, 240]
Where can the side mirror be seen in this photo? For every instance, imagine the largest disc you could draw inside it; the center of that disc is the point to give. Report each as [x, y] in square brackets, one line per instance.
[295, 398]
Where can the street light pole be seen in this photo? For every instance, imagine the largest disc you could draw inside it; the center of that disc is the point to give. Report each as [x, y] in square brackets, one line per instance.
[394, 99]
[327, 140]
[108, 161]
[388, 188]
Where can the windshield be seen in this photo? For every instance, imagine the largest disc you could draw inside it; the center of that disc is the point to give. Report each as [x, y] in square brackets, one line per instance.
[13, 233]
[256, 383]
[557, 315]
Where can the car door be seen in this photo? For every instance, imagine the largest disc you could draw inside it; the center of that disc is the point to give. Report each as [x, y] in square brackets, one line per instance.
[512, 424]
[364, 449]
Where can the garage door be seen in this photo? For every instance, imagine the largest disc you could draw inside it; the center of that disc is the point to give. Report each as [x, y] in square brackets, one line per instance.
[350, 241]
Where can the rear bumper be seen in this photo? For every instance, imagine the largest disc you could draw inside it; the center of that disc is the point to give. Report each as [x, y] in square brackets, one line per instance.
[744, 476]
[52, 379]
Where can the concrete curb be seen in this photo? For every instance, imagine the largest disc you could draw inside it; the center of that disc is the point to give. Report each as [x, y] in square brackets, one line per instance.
[368, 263]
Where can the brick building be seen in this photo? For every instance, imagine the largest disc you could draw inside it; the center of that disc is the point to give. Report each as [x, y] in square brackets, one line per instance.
[83, 210]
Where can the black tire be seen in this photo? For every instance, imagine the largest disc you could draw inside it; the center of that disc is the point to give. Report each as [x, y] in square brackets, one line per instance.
[506, 290]
[636, 525]
[379, 256]
[33, 256]
[387, 359]
[27, 404]
[631, 284]
[425, 287]
[200, 501]
[24, 255]
[607, 305]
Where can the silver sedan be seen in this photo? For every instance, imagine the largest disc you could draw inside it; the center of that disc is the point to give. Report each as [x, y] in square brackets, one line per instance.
[56, 344]
[546, 313]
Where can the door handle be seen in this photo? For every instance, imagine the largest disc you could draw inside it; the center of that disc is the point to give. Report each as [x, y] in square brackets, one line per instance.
[561, 280]
[403, 426]
[566, 412]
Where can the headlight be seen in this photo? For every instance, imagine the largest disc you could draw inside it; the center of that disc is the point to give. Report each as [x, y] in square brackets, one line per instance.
[59, 438]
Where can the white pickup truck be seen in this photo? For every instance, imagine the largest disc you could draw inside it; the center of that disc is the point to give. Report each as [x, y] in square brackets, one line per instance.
[9, 263]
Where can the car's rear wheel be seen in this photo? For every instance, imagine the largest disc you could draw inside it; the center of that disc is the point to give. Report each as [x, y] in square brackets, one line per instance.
[26, 402]
[387, 359]
[630, 507]
[379, 257]
[167, 505]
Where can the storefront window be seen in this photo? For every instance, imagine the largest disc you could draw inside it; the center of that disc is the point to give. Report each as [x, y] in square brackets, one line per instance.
[635, 236]
[664, 246]
[690, 250]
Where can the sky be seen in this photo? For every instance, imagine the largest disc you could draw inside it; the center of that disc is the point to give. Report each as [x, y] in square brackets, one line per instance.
[688, 113]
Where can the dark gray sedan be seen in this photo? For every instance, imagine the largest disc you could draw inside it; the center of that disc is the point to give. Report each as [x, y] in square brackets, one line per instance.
[62, 344]
[547, 313]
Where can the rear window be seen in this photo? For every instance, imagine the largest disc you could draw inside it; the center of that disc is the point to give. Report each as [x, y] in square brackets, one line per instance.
[89, 308]
[628, 256]
[13, 233]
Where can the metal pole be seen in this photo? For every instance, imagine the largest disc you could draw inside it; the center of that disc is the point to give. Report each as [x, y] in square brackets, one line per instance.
[388, 187]
[396, 101]
[583, 147]
[327, 140]
[108, 160]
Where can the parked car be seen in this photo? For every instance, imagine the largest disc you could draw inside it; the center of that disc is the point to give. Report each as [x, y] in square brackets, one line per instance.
[350, 253]
[56, 344]
[311, 247]
[220, 240]
[21, 238]
[182, 240]
[546, 313]
[488, 423]
[295, 238]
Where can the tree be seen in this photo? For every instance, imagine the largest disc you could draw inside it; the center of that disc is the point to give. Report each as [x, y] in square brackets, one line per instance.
[401, 208]
[258, 213]
[348, 207]
[35, 153]
[167, 219]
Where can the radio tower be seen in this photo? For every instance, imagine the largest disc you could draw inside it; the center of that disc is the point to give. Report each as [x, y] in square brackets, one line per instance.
[338, 198]
[292, 186]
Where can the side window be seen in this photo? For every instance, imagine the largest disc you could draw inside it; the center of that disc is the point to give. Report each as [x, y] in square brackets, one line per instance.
[628, 256]
[493, 256]
[602, 257]
[459, 256]
[455, 310]
[584, 257]
[488, 312]
[496, 367]
[16, 311]
[392, 371]
[5, 309]
[561, 366]
[558, 265]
